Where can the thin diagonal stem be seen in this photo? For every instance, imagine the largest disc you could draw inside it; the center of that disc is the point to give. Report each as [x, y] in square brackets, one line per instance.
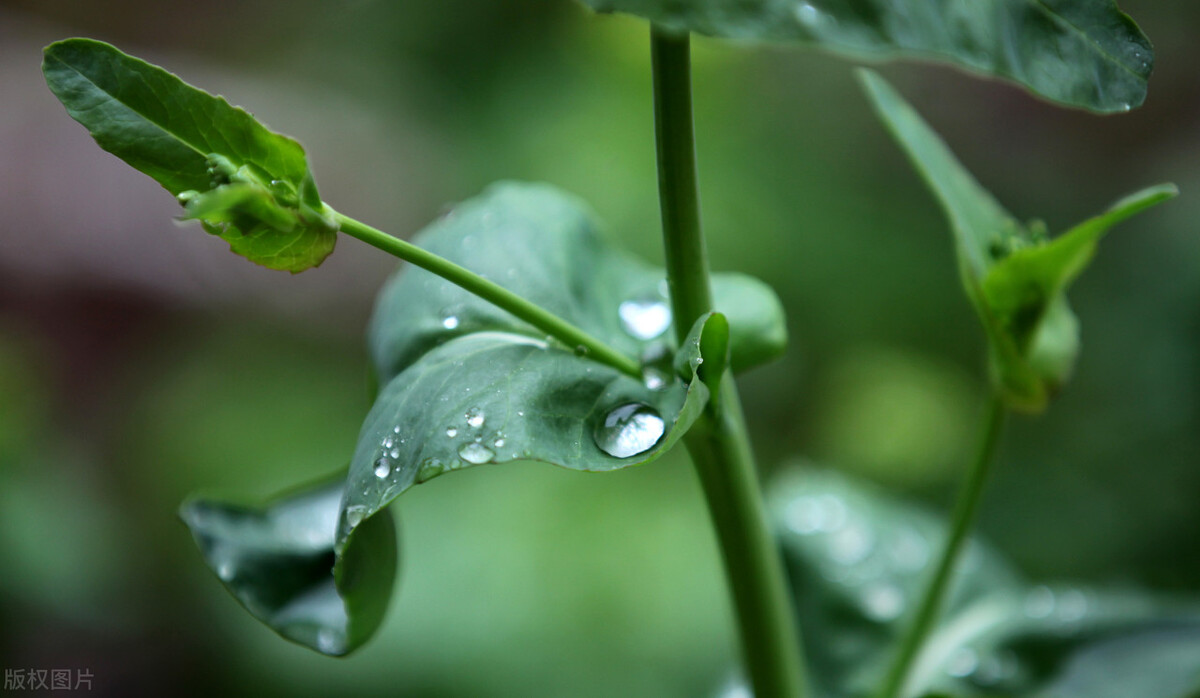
[492, 292]
[965, 511]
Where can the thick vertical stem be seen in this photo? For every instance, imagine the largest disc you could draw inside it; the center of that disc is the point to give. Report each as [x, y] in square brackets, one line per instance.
[965, 510]
[718, 443]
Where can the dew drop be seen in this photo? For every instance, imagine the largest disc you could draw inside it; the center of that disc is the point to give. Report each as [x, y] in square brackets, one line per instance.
[326, 641]
[499, 442]
[394, 453]
[225, 570]
[451, 432]
[430, 468]
[962, 663]
[383, 468]
[476, 453]
[883, 602]
[807, 14]
[654, 378]
[396, 430]
[629, 430]
[355, 515]
[475, 417]
[581, 350]
[852, 544]
[645, 318]
[450, 322]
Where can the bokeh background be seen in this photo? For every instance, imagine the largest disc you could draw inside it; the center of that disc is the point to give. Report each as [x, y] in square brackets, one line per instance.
[140, 361]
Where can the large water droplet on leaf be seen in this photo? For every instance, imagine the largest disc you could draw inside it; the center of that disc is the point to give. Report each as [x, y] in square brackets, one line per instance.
[383, 468]
[475, 417]
[645, 318]
[629, 430]
[476, 453]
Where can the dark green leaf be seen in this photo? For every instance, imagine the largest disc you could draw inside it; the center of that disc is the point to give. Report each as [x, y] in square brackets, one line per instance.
[467, 384]
[1082, 53]
[196, 145]
[1014, 275]
[858, 560]
[279, 562]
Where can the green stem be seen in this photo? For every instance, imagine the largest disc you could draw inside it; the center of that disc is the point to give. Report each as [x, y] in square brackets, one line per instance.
[719, 443]
[965, 510]
[492, 292]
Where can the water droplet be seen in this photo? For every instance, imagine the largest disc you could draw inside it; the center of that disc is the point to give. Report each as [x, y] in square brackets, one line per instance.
[962, 663]
[476, 453]
[225, 570]
[430, 468]
[475, 417]
[355, 515]
[396, 430]
[628, 430]
[326, 641]
[520, 413]
[451, 432]
[389, 442]
[383, 468]
[1039, 602]
[883, 601]
[851, 544]
[581, 350]
[499, 442]
[645, 318]
[450, 322]
[654, 378]
[394, 453]
[807, 14]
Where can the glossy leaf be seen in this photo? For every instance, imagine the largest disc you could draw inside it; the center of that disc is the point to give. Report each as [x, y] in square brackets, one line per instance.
[858, 561]
[279, 562]
[246, 183]
[1082, 53]
[1014, 275]
[465, 384]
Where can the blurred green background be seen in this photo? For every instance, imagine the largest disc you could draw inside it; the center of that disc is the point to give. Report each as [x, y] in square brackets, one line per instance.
[140, 361]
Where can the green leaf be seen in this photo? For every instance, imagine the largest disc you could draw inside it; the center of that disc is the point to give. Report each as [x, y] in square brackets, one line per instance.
[858, 561]
[1081, 53]
[197, 146]
[465, 384]
[1013, 274]
[279, 562]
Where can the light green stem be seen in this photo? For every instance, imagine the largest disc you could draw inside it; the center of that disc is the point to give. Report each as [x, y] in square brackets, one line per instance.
[718, 443]
[965, 510]
[492, 292]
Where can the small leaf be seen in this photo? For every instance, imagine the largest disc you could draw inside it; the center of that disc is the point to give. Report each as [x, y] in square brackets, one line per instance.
[1014, 276]
[858, 561]
[757, 325]
[279, 563]
[465, 384]
[249, 185]
[1081, 53]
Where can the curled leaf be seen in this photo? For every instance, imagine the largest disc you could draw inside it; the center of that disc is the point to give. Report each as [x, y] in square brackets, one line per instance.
[279, 562]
